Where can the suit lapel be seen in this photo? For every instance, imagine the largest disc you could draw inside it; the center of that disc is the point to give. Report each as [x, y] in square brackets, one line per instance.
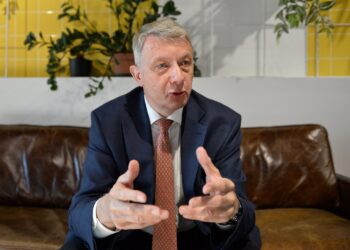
[138, 141]
[193, 134]
[139, 144]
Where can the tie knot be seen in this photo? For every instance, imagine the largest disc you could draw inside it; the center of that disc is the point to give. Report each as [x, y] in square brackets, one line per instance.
[164, 124]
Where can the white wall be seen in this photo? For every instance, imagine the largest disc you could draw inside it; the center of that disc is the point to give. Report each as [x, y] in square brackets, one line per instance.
[236, 38]
[261, 101]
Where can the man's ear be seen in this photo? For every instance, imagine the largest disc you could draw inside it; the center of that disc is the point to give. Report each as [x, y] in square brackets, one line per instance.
[136, 74]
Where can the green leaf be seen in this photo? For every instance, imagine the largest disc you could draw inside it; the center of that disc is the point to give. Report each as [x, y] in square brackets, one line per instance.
[311, 16]
[301, 12]
[169, 8]
[100, 85]
[280, 28]
[63, 5]
[293, 20]
[279, 14]
[69, 7]
[327, 5]
[62, 15]
[53, 83]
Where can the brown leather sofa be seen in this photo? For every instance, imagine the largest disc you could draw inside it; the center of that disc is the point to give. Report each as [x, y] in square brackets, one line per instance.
[301, 202]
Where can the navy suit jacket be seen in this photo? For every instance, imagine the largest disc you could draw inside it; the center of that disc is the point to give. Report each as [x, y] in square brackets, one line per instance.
[120, 131]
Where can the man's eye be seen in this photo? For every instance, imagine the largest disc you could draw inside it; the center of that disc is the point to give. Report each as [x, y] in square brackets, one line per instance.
[186, 63]
[162, 66]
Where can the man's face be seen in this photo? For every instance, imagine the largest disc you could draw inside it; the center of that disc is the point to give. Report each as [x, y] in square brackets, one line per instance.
[165, 73]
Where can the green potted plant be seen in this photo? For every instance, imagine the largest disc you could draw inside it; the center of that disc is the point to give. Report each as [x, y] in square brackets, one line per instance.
[96, 45]
[294, 13]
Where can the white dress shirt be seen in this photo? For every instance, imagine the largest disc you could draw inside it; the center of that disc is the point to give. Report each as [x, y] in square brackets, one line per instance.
[100, 231]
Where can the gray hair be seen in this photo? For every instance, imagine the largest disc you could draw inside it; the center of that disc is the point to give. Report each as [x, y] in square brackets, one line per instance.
[165, 28]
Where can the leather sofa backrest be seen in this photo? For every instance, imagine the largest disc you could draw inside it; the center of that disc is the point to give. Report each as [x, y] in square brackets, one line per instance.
[286, 166]
[40, 165]
[289, 166]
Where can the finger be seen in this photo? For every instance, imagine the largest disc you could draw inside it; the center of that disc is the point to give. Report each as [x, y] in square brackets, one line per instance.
[147, 214]
[122, 193]
[219, 186]
[136, 216]
[206, 163]
[130, 175]
[219, 201]
[206, 214]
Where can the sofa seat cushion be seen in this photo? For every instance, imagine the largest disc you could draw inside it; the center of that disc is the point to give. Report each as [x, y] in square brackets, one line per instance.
[302, 228]
[32, 228]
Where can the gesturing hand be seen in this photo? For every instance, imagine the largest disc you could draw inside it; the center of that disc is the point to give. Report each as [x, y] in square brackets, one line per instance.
[124, 208]
[220, 202]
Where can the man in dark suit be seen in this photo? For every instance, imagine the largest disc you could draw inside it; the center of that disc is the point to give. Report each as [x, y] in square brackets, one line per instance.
[115, 205]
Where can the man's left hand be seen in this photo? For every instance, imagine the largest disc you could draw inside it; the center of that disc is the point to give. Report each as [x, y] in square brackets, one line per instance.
[220, 202]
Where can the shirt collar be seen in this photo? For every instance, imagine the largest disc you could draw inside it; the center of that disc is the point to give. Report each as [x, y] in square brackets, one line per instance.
[154, 116]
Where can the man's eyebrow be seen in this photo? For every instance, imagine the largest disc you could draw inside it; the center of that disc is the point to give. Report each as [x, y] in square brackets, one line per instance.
[187, 55]
[161, 58]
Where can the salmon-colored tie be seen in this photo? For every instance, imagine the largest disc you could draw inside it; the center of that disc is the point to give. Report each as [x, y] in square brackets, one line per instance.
[164, 235]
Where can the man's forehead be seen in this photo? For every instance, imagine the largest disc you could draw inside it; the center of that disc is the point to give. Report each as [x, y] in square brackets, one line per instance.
[154, 42]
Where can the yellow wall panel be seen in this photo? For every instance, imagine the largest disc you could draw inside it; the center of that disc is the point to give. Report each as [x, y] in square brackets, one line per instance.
[32, 22]
[325, 46]
[341, 45]
[12, 25]
[324, 67]
[18, 41]
[21, 53]
[36, 67]
[31, 5]
[341, 67]
[103, 20]
[95, 6]
[32, 54]
[49, 24]
[342, 5]
[12, 53]
[21, 4]
[311, 67]
[340, 16]
[20, 70]
[2, 40]
[311, 40]
[333, 53]
[19, 22]
[2, 66]
[49, 5]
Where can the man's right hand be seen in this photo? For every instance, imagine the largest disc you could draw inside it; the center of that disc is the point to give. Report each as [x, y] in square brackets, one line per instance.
[124, 208]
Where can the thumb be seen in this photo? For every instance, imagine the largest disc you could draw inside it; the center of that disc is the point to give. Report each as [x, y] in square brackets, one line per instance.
[131, 174]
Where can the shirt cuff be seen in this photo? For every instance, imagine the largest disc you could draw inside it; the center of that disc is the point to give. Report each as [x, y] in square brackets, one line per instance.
[224, 227]
[98, 229]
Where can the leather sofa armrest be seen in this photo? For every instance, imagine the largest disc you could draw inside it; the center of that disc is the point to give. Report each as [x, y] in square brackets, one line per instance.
[344, 193]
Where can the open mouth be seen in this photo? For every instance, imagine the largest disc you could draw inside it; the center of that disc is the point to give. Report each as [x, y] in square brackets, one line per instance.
[179, 93]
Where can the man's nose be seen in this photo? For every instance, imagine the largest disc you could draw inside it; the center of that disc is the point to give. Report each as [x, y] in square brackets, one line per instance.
[177, 75]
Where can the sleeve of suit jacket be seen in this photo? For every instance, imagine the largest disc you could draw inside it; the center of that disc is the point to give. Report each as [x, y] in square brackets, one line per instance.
[96, 181]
